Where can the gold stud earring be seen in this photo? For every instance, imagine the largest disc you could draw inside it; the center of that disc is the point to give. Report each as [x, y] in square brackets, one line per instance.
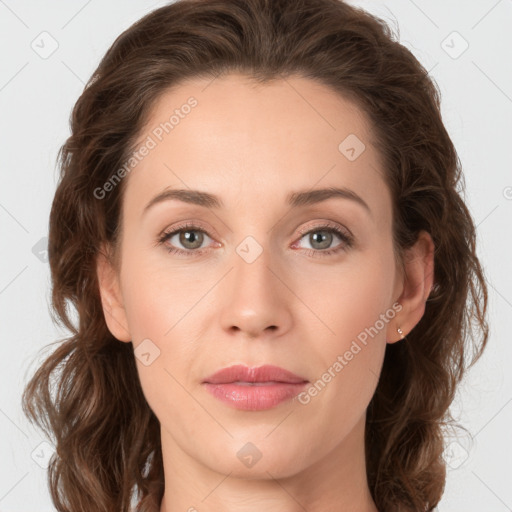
[401, 333]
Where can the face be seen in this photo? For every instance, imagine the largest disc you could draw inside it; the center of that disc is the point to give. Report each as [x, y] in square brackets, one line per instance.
[258, 275]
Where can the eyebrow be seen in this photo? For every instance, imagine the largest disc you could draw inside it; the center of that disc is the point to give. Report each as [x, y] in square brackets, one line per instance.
[293, 199]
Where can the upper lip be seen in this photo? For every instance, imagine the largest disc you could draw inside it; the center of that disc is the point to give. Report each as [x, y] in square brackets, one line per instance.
[265, 373]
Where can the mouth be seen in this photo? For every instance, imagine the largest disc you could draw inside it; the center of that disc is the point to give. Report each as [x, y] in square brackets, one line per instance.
[254, 389]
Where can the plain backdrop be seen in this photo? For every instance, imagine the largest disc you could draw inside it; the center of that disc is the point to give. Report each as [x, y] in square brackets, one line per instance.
[49, 50]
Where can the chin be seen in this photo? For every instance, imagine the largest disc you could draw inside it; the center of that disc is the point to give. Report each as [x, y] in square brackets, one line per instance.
[256, 460]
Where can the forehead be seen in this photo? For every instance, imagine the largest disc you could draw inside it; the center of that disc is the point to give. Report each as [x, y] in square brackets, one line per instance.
[295, 108]
[242, 140]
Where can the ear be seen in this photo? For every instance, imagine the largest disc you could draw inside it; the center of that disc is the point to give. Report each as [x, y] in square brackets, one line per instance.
[111, 297]
[418, 280]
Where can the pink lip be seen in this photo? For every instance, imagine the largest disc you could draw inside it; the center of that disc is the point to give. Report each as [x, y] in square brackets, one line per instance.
[254, 389]
[265, 373]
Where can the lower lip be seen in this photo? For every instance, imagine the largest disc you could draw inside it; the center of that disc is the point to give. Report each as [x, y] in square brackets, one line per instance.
[257, 397]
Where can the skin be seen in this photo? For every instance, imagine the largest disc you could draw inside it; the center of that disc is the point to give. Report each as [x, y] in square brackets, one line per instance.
[251, 145]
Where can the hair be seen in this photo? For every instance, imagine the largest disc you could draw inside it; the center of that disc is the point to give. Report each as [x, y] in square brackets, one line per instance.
[87, 395]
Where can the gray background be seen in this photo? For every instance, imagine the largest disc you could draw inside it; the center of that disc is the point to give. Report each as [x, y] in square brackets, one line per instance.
[37, 92]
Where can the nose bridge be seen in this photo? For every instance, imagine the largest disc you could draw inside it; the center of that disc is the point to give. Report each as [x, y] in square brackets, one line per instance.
[253, 255]
[257, 259]
[253, 261]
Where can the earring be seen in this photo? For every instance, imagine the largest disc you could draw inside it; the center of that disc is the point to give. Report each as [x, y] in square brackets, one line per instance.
[401, 333]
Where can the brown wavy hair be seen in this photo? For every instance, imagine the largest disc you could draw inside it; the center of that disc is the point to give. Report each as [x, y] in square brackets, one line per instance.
[87, 395]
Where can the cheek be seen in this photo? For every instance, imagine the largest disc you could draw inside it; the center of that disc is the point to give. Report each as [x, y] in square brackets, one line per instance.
[155, 296]
[351, 305]
[156, 310]
[162, 305]
[350, 299]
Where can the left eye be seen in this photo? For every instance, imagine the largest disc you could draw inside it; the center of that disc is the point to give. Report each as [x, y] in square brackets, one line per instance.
[323, 237]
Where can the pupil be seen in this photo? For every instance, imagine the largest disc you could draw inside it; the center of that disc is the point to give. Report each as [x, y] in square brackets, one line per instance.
[191, 238]
[323, 238]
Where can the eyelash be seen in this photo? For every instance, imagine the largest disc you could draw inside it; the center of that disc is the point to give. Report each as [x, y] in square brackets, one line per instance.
[347, 240]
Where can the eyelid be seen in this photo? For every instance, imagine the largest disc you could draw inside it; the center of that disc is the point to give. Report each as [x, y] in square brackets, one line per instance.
[326, 224]
[188, 224]
[323, 223]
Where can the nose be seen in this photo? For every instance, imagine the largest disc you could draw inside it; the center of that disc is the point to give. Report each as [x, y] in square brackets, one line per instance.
[256, 301]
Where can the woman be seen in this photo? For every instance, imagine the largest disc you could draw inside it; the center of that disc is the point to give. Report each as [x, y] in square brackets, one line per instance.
[218, 363]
